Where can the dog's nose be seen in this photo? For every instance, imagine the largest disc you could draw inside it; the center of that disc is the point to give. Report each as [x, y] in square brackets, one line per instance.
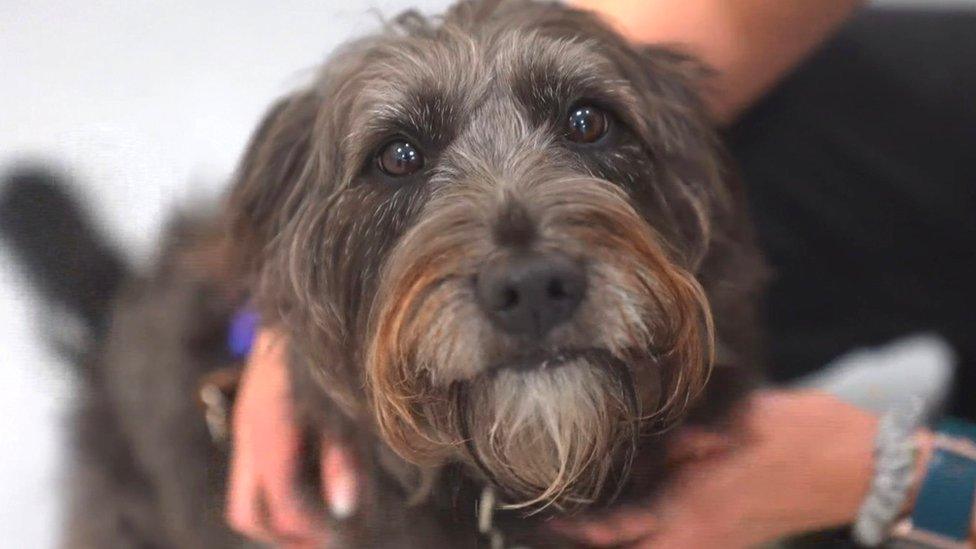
[529, 294]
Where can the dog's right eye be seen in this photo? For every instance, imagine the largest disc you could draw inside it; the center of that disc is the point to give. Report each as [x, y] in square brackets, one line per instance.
[400, 158]
[587, 124]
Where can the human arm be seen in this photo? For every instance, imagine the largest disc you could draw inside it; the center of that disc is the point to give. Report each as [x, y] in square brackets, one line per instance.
[750, 44]
[802, 462]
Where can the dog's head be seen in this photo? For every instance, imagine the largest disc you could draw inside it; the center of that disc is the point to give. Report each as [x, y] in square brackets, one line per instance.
[484, 232]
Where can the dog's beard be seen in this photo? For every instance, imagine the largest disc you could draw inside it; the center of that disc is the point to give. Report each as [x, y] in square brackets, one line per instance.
[544, 436]
[552, 436]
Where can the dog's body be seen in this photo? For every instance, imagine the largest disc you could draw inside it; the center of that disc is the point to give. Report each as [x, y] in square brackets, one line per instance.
[505, 252]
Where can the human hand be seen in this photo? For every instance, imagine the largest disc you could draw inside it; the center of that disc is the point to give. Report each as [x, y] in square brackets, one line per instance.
[804, 463]
[261, 501]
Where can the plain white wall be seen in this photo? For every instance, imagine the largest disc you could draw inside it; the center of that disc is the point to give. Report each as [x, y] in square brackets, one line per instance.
[149, 104]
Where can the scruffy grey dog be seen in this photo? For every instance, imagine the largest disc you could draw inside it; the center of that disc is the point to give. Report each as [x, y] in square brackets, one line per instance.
[506, 252]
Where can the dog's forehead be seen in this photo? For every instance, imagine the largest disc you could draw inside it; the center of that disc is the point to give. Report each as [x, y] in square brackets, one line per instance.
[428, 85]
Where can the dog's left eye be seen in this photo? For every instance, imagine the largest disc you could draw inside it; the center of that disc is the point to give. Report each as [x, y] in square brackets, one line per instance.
[400, 158]
[587, 124]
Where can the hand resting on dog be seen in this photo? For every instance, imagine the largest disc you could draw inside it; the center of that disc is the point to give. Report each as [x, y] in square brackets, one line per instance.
[803, 462]
[261, 500]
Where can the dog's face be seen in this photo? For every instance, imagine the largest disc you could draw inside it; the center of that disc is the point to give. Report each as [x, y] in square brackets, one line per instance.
[485, 235]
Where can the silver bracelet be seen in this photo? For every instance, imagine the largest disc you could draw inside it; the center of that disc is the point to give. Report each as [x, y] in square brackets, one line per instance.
[895, 457]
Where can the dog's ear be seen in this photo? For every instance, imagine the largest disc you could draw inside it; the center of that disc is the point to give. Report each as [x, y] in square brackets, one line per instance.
[675, 82]
[678, 131]
[262, 197]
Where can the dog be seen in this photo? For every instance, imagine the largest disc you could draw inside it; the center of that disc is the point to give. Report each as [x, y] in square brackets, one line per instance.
[509, 256]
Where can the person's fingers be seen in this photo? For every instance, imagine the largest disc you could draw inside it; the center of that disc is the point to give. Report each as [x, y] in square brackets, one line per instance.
[305, 544]
[340, 482]
[698, 444]
[623, 526]
[287, 515]
[262, 503]
[688, 537]
[634, 524]
[675, 530]
[243, 513]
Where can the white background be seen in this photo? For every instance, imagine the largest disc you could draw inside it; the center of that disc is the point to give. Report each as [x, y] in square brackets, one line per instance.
[148, 104]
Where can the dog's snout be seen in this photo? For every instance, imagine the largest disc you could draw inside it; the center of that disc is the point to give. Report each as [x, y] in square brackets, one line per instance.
[530, 293]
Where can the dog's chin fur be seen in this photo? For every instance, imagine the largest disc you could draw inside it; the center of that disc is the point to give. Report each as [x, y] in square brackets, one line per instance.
[550, 436]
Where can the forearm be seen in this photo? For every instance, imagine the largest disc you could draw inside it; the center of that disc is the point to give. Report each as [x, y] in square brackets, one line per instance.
[750, 44]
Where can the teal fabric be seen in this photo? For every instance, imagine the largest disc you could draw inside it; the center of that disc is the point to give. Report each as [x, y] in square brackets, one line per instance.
[955, 427]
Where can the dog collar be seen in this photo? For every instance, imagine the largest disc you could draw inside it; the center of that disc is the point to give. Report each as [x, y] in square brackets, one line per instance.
[241, 332]
[487, 504]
